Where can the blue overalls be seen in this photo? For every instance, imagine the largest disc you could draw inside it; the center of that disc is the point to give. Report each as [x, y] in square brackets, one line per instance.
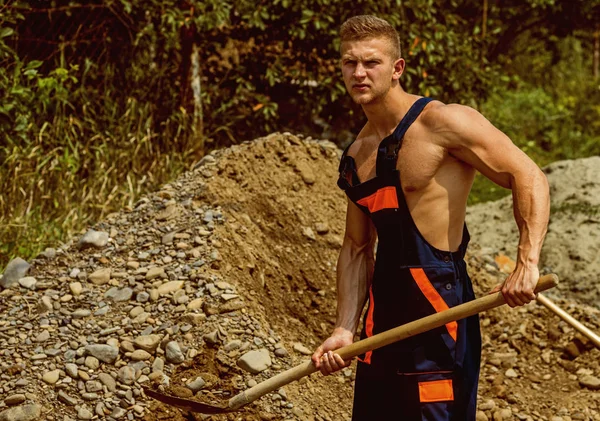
[432, 376]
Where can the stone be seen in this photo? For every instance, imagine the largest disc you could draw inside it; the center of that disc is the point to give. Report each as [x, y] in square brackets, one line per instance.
[322, 228]
[93, 238]
[93, 386]
[590, 382]
[155, 272]
[122, 294]
[84, 414]
[196, 384]
[43, 336]
[51, 377]
[32, 412]
[195, 304]
[15, 270]
[104, 353]
[69, 400]
[255, 361]
[81, 313]
[71, 370]
[15, 399]
[148, 343]
[480, 416]
[100, 277]
[76, 288]
[169, 287]
[28, 282]
[108, 381]
[126, 375]
[140, 355]
[173, 353]
[92, 362]
[298, 347]
[309, 233]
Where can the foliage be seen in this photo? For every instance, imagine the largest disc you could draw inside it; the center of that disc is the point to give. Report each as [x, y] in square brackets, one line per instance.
[96, 105]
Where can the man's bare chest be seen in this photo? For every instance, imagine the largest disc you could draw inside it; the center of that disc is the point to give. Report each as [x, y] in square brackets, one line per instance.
[418, 163]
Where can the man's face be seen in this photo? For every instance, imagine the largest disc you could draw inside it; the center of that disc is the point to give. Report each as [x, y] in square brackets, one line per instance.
[368, 69]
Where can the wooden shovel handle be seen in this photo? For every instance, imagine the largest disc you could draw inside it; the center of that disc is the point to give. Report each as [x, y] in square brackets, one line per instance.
[385, 338]
[569, 319]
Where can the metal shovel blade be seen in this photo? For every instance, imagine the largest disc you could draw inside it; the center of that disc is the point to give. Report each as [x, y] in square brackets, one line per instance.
[186, 404]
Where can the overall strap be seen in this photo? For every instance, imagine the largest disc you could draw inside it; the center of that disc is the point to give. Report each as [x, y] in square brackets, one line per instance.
[387, 154]
[347, 165]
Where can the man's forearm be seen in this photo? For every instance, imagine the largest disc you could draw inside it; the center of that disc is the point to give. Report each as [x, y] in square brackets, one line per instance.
[354, 275]
[531, 205]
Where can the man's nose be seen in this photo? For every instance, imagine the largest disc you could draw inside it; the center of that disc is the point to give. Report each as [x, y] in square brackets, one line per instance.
[359, 71]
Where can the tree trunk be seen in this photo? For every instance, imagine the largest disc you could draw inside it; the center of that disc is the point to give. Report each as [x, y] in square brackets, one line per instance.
[485, 18]
[196, 86]
[597, 53]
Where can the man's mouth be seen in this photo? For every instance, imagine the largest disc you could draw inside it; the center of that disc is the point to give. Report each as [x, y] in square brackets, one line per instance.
[360, 86]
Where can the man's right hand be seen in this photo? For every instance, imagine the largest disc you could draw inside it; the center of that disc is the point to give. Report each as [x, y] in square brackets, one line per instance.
[325, 359]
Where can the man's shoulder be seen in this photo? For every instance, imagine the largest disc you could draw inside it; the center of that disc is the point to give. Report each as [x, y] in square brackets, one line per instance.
[440, 116]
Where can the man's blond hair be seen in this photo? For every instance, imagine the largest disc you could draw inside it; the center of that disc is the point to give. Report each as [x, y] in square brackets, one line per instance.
[364, 27]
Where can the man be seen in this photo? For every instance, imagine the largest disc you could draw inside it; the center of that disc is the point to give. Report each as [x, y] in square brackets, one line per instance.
[407, 177]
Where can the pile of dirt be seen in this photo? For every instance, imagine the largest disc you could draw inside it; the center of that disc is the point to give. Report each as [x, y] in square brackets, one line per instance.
[572, 245]
[235, 261]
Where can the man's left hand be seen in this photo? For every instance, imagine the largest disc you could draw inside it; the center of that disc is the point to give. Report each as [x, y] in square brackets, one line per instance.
[519, 286]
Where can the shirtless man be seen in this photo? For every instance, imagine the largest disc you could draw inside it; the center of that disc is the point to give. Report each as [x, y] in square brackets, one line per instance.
[407, 176]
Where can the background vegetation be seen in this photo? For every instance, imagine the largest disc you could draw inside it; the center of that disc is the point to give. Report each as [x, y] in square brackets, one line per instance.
[103, 100]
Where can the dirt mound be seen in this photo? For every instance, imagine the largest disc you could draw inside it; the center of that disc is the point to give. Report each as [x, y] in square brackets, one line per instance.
[237, 257]
[572, 246]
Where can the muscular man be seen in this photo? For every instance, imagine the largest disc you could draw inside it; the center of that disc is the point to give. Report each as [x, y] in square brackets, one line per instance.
[407, 176]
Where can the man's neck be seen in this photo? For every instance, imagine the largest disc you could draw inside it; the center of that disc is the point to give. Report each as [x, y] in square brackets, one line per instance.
[384, 115]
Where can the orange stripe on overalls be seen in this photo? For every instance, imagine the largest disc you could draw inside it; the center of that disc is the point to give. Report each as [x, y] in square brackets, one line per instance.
[384, 198]
[433, 297]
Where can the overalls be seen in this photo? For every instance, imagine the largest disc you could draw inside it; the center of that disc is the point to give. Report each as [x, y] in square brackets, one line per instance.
[432, 376]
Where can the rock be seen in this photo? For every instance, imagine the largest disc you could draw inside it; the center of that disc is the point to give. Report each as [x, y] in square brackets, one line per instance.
[309, 233]
[71, 370]
[255, 361]
[480, 416]
[231, 345]
[93, 386]
[590, 382]
[196, 384]
[212, 338]
[126, 375]
[487, 405]
[120, 295]
[51, 377]
[298, 347]
[84, 414]
[32, 412]
[511, 373]
[63, 397]
[15, 270]
[28, 282]
[155, 272]
[195, 304]
[100, 277]
[81, 313]
[148, 343]
[322, 228]
[108, 381]
[281, 352]
[104, 353]
[169, 287]
[15, 399]
[140, 355]
[93, 238]
[118, 413]
[92, 362]
[76, 288]
[43, 336]
[173, 353]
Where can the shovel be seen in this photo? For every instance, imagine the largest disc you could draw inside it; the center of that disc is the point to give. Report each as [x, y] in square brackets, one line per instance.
[357, 348]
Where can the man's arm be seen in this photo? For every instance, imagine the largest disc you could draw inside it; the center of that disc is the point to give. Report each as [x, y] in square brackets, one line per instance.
[354, 274]
[471, 138]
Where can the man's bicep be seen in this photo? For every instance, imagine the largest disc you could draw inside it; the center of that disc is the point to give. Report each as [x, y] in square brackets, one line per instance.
[474, 140]
[359, 228]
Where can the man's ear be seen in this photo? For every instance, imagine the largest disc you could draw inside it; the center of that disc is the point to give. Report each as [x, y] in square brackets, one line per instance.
[398, 68]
